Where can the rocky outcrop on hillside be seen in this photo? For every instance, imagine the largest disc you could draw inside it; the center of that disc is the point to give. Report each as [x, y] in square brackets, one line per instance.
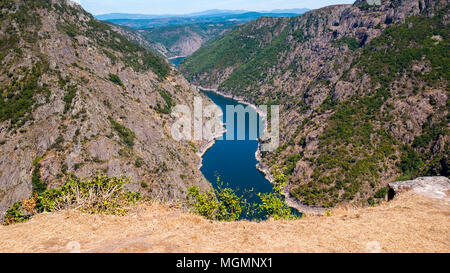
[433, 187]
[188, 44]
[137, 37]
[185, 39]
[363, 91]
[78, 98]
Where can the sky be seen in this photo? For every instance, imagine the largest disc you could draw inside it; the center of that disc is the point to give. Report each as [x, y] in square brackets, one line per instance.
[97, 7]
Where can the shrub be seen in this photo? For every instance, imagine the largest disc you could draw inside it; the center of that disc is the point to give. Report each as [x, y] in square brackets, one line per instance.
[411, 162]
[381, 193]
[68, 98]
[302, 142]
[225, 205]
[351, 42]
[58, 144]
[139, 162]
[115, 79]
[37, 184]
[99, 194]
[299, 34]
[291, 163]
[273, 204]
[168, 100]
[204, 204]
[19, 101]
[125, 134]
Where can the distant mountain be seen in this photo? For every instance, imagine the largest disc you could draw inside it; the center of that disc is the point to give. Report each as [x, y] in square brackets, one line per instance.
[297, 11]
[182, 36]
[213, 12]
[188, 20]
[110, 16]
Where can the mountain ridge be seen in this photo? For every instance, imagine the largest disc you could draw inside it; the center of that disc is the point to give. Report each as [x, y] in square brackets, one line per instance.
[216, 12]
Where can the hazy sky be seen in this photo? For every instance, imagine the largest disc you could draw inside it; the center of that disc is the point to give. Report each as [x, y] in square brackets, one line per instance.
[188, 6]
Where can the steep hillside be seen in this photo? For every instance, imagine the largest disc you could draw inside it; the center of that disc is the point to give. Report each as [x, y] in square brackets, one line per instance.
[363, 91]
[173, 41]
[185, 40]
[173, 36]
[78, 98]
[137, 37]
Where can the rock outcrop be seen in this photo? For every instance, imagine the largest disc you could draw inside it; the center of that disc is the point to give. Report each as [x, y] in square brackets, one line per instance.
[433, 187]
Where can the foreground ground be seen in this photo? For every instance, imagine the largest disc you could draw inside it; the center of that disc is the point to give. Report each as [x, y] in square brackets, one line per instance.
[410, 223]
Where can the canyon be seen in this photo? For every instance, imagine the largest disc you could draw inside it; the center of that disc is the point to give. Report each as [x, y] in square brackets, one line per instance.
[363, 91]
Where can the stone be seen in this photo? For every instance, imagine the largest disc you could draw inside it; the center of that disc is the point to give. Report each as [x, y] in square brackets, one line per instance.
[435, 187]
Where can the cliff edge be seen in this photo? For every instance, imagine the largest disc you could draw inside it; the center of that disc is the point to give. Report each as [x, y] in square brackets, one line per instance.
[411, 222]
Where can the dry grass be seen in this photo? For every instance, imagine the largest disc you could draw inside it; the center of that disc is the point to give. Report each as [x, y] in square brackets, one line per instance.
[411, 223]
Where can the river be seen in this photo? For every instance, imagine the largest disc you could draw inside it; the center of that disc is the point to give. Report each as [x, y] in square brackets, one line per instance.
[176, 61]
[234, 161]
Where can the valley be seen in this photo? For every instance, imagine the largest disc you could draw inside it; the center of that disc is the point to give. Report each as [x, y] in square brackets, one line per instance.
[89, 154]
[182, 35]
[363, 92]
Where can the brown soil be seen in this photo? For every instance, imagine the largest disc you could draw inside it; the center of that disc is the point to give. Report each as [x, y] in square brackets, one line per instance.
[410, 223]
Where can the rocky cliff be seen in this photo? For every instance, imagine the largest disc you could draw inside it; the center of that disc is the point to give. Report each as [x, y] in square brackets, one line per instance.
[78, 98]
[137, 37]
[432, 187]
[363, 91]
[185, 40]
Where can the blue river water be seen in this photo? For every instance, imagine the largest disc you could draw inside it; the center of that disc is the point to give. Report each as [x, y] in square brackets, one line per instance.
[176, 61]
[234, 161]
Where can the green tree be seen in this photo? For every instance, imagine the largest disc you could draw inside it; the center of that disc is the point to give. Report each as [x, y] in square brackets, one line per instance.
[273, 204]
